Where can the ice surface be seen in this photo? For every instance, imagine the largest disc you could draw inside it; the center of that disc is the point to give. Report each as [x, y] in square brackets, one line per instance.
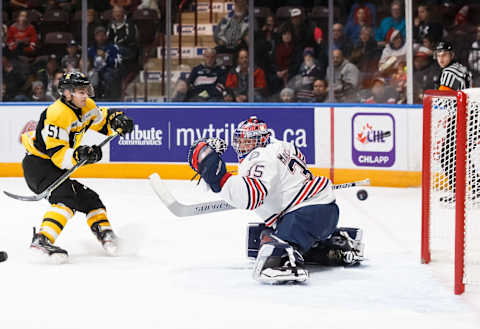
[193, 272]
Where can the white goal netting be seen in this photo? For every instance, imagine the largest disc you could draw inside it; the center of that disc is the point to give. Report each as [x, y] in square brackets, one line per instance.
[443, 174]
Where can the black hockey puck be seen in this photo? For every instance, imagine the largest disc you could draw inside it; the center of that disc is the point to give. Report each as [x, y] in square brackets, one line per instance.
[3, 256]
[362, 195]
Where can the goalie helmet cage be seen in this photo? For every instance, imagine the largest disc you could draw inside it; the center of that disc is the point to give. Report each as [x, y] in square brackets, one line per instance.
[450, 183]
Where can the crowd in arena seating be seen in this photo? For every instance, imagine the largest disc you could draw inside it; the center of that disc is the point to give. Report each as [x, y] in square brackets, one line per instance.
[290, 49]
[41, 41]
[369, 55]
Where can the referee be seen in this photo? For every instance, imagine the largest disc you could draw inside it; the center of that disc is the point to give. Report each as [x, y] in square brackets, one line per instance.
[454, 76]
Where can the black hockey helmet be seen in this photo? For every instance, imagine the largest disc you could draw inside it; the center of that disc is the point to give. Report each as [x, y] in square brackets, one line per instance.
[444, 46]
[72, 80]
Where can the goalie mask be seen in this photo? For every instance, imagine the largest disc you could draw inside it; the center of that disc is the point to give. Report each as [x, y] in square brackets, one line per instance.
[249, 135]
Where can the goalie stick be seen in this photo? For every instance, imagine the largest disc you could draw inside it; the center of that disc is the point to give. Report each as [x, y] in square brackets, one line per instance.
[184, 210]
[59, 181]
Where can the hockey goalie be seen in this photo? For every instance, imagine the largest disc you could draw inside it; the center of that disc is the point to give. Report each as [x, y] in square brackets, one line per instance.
[299, 210]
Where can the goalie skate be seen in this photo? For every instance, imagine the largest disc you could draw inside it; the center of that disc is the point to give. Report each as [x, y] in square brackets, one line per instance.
[41, 245]
[273, 269]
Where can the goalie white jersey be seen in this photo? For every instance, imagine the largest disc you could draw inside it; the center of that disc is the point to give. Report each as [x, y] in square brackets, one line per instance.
[274, 180]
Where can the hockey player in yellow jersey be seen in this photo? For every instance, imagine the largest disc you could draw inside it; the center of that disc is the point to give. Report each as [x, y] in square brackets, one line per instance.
[54, 147]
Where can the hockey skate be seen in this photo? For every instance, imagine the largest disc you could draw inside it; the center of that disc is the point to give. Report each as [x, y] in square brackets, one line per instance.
[107, 238]
[40, 243]
[279, 263]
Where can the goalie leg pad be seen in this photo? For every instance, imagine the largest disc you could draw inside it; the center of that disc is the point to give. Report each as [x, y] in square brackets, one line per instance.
[344, 247]
[254, 230]
[278, 262]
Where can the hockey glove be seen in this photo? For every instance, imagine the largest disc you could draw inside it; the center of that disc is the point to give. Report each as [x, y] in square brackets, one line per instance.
[120, 123]
[209, 164]
[91, 153]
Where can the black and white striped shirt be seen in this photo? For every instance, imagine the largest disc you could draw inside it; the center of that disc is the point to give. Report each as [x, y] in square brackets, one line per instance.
[456, 76]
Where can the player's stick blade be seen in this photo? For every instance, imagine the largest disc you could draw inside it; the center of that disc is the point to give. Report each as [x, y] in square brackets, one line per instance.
[36, 197]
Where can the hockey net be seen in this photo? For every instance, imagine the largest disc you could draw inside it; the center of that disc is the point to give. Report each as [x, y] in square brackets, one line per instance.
[451, 183]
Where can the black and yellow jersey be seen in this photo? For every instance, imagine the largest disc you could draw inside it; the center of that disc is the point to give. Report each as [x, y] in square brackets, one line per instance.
[61, 128]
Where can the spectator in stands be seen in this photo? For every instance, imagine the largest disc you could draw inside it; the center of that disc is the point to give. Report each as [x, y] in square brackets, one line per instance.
[308, 72]
[365, 53]
[70, 61]
[237, 80]
[287, 95]
[423, 26]
[461, 26]
[395, 51]
[38, 92]
[352, 30]
[22, 36]
[396, 21]
[206, 82]
[462, 34]
[368, 7]
[398, 81]
[52, 89]
[320, 91]
[318, 94]
[268, 35]
[345, 78]
[428, 42]
[341, 41]
[231, 34]
[302, 37]
[283, 55]
[266, 63]
[13, 79]
[105, 59]
[123, 33]
[46, 74]
[380, 93]
[426, 73]
[474, 58]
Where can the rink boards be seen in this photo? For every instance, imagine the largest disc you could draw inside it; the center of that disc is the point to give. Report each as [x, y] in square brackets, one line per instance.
[343, 141]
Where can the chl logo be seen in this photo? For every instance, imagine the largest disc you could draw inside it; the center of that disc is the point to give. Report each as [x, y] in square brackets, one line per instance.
[369, 135]
[373, 139]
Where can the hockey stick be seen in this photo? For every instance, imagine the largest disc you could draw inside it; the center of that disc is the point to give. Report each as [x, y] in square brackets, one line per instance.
[184, 210]
[59, 181]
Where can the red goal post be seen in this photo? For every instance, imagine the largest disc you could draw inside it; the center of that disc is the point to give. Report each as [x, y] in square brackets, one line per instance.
[451, 184]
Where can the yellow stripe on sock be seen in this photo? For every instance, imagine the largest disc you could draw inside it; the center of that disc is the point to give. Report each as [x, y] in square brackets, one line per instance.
[53, 226]
[92, 219]
[56, 216]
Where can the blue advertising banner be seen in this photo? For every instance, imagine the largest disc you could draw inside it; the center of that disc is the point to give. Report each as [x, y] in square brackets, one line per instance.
[164, 134]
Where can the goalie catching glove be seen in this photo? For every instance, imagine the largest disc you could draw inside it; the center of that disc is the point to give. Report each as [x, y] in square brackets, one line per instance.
[120, 123]
[205, 160]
